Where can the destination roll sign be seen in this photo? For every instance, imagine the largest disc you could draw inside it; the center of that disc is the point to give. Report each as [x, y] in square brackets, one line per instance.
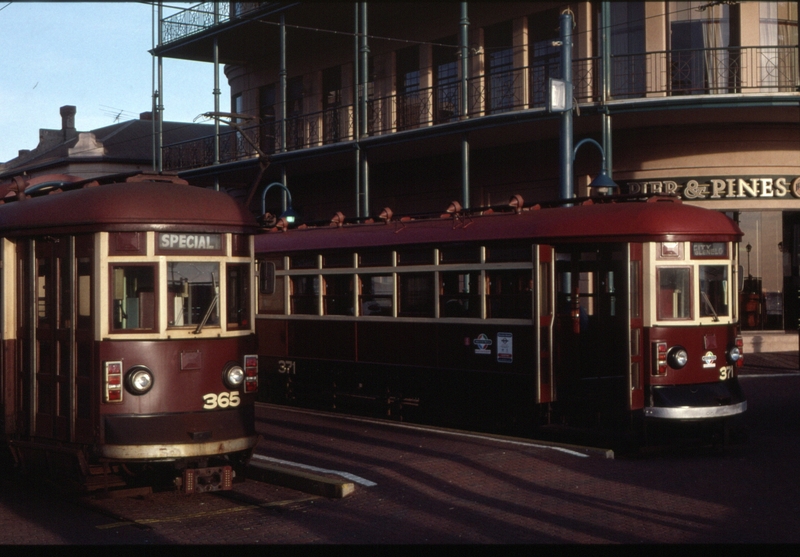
[189, 241]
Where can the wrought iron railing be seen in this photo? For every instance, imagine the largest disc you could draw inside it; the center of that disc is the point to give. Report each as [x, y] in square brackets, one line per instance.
[203, 16]
[646, 75]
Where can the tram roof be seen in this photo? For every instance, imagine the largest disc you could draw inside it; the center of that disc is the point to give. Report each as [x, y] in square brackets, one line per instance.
[126, 206]
[658, 220]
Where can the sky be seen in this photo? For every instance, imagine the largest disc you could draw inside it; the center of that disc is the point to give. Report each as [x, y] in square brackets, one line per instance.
[95, 56]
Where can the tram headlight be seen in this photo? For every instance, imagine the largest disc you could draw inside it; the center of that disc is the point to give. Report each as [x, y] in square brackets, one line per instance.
[677, 357]
[734, 354]
[233, 376]
[139, 380]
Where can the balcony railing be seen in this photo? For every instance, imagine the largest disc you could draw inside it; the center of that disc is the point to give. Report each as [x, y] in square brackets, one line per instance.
[646, 75]
[203, 16]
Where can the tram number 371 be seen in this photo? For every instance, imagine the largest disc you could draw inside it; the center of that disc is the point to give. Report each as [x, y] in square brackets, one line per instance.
[287, 366]
[221, 400]
[725, 372]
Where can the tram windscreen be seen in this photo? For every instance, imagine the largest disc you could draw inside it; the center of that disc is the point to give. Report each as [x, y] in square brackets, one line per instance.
[674, 293]
[192, 293]
[134, 297]
[713, 290]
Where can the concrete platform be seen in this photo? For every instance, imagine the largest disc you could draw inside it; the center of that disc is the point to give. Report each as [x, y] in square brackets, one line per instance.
[769, 341]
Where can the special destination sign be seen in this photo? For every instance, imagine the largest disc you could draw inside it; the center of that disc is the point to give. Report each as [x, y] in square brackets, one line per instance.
[189, 241]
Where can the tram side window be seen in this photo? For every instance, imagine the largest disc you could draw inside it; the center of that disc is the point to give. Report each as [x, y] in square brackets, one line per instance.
[192, 293]
[270, 287]
[134, 306]
[674, 292]
[713, 290]
[338, 298]
[376, 294]
[508, 294]
[305, 295]
[238, 296]
[459, 295]
[416, 295]
[43, 303]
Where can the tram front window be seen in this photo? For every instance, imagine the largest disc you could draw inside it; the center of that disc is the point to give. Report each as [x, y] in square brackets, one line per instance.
[192, 293]
[134, 304]
[238, 297]
[713, 290]
[674, 293]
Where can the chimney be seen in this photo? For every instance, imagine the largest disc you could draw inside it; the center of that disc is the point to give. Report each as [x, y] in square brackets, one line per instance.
[145, 116]
[68, 122]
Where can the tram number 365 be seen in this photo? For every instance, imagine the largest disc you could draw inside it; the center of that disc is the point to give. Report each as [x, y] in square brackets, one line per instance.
[221, 400]
[286, 366]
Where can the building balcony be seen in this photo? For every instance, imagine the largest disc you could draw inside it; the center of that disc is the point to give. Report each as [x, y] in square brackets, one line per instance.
[645, 76]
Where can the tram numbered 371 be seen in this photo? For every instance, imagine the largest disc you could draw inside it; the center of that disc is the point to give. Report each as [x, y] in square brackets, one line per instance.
[128, 339]
[608, 312]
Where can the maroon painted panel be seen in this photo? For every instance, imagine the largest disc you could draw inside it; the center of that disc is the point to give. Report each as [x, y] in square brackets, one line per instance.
[612, 222]
[127, 206]
[322, 339]
[693, 339]
[174, 389]
[272, 337]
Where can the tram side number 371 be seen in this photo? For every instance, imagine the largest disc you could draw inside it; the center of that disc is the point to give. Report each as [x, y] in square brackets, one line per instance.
[286, 366]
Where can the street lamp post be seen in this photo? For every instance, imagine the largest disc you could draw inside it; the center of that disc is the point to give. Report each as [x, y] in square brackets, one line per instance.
[602, 182]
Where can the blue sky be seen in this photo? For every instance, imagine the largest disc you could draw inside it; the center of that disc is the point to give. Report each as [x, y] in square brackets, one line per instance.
[93, 55]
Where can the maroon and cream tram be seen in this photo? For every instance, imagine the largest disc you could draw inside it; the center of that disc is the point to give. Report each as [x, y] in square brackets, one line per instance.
[605, 312]
[128, 338]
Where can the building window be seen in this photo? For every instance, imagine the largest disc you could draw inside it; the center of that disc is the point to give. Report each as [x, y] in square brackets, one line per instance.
[778, 28]
[267, 100]
[628, 64]
[333, 122]
[543, 29]
[446, 80]
[409, 98]
[700, 38]
[295, 128]
[500, 75]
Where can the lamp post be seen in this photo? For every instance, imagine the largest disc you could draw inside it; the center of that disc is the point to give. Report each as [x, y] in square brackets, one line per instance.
[288, 214]
[602, 182]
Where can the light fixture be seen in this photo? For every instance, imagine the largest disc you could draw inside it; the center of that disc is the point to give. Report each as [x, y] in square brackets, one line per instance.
[289, 214]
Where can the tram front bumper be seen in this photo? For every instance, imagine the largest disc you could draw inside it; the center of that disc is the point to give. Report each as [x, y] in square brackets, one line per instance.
[696, 402]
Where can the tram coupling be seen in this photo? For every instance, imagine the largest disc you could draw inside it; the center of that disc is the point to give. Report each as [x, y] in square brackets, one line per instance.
[202, 480]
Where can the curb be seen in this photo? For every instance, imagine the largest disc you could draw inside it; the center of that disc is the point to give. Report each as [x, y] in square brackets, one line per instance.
[300, 481]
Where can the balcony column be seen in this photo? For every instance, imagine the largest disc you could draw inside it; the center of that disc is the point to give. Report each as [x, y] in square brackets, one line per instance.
[159, 96]
[216, 94]
[363, 119]
[464, 111]
[605, 46]
[567, 188]
[282, 84]
[356, 109]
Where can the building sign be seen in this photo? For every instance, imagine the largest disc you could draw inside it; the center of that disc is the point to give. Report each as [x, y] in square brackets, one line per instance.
[187, 241]
[721, 188]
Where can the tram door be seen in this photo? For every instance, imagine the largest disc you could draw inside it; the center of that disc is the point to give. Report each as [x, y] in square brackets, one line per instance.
[46, 331]
[591, 331]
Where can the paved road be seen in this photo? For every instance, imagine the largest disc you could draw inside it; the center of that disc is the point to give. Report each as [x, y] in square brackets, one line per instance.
[439, 487]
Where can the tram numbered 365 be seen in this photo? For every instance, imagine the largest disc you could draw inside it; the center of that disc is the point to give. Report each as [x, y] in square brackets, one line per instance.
[128, 334]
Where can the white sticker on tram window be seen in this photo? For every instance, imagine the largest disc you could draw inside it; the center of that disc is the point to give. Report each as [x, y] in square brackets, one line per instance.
[505, 348]
[482, 344]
